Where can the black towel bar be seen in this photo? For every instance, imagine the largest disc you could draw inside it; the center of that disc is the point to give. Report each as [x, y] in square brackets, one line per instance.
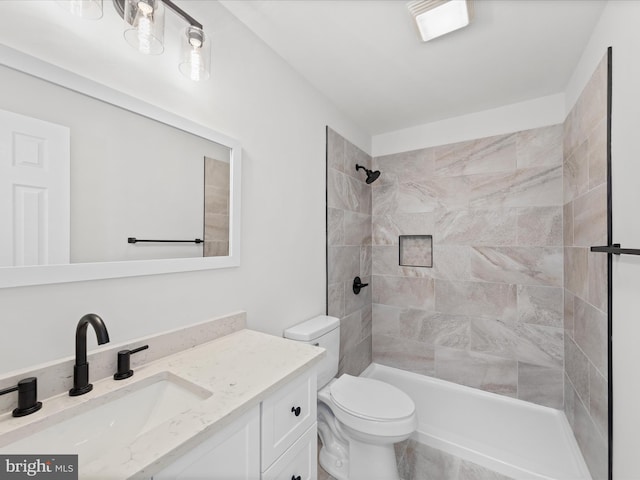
[137, 240]
[616, 250]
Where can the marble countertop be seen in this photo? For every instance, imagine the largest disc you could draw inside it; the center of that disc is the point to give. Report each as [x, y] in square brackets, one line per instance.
[240, 370]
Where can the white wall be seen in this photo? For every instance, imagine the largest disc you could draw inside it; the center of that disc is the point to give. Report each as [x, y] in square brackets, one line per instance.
[618, 28]
[535, 113]
[252, 96]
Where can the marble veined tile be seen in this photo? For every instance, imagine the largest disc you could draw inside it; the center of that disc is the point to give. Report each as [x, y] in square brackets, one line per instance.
[541, 385]
[404, 292]
[540, 186]
[590, 333]
[576, 365]
[576, 277]
[598, 285]
[540, 146]
[598, 154]
[477, 226]
[347, 193]
[442, 329]
[385, 262]
[416, 197]
[451, 262]
[403, 353]
[540, 226]
[484, 155]
[387, 228]
[478, 370]
[590, 218]
[576, 172]
[567, 224]
[541, 305]
[335, 150]
[414, 165]
[523, 342]
[520, 265]
[384, 199]
[357, 228]
[344, 263]
[478, 299]
[335, 226]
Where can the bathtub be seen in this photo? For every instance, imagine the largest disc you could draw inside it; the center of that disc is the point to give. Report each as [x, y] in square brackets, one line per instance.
[518, 439]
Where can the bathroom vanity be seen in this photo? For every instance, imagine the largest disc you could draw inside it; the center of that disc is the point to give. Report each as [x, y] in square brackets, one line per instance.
[239, 406]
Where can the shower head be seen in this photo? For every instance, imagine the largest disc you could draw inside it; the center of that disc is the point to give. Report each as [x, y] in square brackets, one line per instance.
[372, 176]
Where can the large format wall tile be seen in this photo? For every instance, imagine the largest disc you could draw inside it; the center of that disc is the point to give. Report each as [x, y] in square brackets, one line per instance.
[519, 265]
[477, 226]
[403, 353]
[540, 147]
[485, 155]
[541, 305]
[349, 252]
[494, 208]
[488, 372]
[404, 292]
[541, 385]
[478, 299]
[540, 226]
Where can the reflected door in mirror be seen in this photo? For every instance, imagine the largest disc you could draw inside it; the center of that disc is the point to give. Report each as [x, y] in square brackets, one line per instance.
[34, 191]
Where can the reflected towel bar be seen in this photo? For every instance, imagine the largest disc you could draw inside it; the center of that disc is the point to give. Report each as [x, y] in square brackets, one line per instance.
[137, 240]
[616, 250]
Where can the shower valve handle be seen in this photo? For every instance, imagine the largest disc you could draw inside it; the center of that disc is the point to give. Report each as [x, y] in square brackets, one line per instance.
[358, 285]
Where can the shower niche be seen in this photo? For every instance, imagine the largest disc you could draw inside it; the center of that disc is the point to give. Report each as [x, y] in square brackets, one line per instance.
[415, 250]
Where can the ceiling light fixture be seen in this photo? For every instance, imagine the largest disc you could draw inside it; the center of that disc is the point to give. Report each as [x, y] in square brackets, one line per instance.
[435, 18]
[144, 31]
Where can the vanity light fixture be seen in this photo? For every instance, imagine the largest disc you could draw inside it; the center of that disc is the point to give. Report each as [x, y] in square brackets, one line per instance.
[144, 31]
[144, 25]
[435, 18]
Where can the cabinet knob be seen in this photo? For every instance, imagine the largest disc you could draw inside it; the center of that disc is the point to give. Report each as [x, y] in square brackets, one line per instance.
[295, 411]
[293, 477]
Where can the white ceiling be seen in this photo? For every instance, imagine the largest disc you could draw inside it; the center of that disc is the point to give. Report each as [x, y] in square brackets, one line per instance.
[366, 57]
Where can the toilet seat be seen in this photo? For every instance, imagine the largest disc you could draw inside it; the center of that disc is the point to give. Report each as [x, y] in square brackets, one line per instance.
[371, 399]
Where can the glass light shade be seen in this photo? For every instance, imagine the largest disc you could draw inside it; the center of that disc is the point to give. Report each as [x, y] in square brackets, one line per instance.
[89, 9]
[195, 57]
[144, 25]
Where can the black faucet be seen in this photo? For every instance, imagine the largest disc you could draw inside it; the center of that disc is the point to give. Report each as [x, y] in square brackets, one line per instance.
[81, 383]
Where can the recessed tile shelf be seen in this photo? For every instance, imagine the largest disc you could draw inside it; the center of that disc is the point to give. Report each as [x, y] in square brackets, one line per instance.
[416, 250]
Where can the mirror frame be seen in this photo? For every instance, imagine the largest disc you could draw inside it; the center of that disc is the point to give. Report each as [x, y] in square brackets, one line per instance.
[76, 272]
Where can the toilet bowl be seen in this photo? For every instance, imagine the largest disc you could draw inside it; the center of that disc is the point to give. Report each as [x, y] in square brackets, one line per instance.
[359, 419]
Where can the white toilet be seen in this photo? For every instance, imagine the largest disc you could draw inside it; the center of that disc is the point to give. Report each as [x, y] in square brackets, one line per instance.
[359, 419]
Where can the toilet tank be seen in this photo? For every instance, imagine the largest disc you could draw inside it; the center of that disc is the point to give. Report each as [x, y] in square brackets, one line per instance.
[322, 331]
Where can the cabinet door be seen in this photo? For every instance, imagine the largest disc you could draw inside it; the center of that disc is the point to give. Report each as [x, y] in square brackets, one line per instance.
[231, 454]
[286, 415]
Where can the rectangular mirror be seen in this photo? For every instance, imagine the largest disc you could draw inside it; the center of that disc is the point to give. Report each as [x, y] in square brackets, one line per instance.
[96, 184]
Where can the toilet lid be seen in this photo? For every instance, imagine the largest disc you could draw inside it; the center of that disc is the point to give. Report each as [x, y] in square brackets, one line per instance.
[366, 397]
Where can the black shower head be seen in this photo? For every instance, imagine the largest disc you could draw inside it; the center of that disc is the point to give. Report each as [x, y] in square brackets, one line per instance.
[372, 176]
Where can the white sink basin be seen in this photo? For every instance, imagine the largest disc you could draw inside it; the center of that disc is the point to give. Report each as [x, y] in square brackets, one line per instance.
[113, 420]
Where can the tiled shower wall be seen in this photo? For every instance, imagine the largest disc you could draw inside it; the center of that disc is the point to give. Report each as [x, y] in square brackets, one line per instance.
[349, 250]
[489, 314]
[585, 273]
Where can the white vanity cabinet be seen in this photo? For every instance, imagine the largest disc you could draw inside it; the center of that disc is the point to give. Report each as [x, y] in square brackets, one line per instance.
[231, 454]
[276, 440]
